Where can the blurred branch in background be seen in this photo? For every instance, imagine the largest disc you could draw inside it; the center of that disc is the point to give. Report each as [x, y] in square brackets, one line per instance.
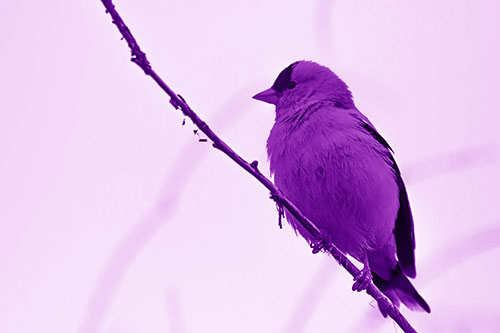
[174, 312]
[323, 27]
[473, 243]
[310, 298]
[140, 234]
[448, 162]
[141, 60]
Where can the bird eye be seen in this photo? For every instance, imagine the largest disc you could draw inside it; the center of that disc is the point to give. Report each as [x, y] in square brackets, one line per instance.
[291, 85]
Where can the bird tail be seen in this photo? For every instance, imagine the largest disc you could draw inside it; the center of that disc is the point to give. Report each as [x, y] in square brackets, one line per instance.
[400, 290]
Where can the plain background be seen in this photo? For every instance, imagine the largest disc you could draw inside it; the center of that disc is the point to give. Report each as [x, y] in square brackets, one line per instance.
[116, 219]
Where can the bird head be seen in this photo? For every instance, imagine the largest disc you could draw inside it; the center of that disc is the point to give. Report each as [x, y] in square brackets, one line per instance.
[304, 83]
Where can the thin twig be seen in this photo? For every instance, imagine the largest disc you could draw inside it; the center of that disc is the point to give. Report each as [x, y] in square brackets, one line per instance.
[141, 60]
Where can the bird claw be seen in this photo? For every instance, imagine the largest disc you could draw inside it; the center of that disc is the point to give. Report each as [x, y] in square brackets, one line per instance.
[320, 243]
[275, 197]
[362, 280]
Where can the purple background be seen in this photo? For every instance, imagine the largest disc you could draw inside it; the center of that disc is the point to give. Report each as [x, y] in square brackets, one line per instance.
[115, 219]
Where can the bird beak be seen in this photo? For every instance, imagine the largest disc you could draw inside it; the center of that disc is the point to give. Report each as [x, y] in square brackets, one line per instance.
[270, 96]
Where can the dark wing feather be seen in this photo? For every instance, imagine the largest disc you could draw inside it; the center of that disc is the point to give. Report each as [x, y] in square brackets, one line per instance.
[403, 230]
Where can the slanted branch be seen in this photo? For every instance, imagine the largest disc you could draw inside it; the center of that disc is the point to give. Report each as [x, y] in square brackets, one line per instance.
[140, 58]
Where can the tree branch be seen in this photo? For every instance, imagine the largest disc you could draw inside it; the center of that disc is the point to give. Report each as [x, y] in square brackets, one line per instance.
[178, 102]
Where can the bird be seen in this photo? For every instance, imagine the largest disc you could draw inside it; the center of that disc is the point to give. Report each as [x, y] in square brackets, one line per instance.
[329, 160]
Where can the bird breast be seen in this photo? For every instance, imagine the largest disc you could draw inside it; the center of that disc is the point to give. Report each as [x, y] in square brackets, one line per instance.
[337, 175]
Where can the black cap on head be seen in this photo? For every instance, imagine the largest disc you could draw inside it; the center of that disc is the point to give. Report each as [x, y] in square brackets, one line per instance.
[283, 80]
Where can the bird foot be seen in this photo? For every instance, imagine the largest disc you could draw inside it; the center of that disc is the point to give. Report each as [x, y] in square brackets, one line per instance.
[320, 243]
[362, 280]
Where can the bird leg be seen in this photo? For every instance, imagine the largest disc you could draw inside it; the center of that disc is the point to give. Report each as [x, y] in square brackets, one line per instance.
[364, 277]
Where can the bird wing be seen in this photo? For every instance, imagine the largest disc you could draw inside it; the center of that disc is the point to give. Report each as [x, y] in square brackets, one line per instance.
[403, 230]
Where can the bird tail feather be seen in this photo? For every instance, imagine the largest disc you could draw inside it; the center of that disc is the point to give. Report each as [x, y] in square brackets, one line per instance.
[400, 290]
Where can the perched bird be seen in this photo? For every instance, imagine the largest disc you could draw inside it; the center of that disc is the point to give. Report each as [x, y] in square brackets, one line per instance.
[329, 160]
